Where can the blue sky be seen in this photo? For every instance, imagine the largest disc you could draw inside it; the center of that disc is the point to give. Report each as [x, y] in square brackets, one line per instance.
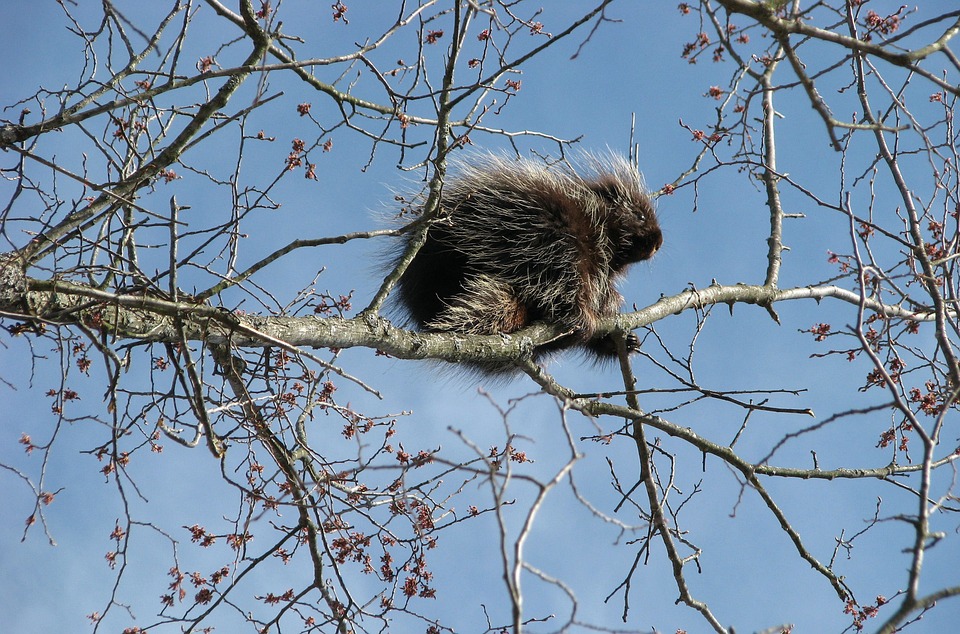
[751, 576]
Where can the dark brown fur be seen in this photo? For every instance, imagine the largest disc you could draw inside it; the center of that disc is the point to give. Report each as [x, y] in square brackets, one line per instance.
[518, 242]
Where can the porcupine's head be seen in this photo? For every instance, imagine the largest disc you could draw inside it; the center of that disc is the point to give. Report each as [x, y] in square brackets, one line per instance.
[626, 212]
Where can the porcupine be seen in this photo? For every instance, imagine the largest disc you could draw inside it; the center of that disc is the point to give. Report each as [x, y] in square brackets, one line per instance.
[518, 242]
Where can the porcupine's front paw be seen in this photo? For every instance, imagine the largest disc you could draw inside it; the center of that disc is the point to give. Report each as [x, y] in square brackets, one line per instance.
[606, 347]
